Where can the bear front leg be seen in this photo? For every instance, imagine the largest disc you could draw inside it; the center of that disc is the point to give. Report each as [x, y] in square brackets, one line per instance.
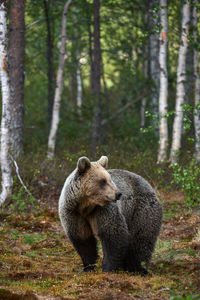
[81, 236]
[114, 236]
[87, 249]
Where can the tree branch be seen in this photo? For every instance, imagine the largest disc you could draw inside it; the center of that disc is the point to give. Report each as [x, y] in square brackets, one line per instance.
[19, 177]
[35, 22]
[119, 111]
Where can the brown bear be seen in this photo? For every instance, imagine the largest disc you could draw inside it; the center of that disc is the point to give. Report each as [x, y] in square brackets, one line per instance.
[117, 207]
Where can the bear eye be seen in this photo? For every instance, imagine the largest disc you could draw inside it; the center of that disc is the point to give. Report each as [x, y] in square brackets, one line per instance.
[103, 182]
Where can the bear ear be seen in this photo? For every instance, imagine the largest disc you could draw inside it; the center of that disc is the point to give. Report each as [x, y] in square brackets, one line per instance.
[103, 161]
[83, 164]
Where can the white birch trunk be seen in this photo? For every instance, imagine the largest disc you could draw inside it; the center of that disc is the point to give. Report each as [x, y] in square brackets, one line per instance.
[154, 71]
[163, 129]
[79, 82]
[6, 170]
[59, 85]
[142, 112]
[180, 87]
[145, 68]
[196, 88]
[154, 63]
[145, 73]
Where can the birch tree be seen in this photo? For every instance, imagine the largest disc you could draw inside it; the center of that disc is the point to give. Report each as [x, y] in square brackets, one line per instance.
[145, 74]
[154, 63]
[49, 55]
[16, 73]
[145, 66]
[79, 81]
[6, 170]
[163, 129]
[96, 79]
[180, 87]
[196, 86]
[59, 85]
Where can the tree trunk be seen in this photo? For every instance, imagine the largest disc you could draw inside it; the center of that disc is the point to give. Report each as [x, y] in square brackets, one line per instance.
[196, 87]
[180, 87]
[145, 61]
[106, 95]
[189, 84]
[96, 86]
[163, 129]
[6, 170]
[154, 63]
[91, 54]
[90, 44]
[59, 85]
[16, 73]
[145, 74]
[79, 81]
[50, 67]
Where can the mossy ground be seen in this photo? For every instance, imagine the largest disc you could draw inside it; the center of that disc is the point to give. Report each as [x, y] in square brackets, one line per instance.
[38, 262]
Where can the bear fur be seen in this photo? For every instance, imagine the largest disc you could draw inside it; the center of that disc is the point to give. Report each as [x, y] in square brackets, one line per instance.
[117, 207]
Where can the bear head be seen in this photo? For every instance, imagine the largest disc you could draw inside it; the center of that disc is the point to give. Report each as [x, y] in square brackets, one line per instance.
[97, 187]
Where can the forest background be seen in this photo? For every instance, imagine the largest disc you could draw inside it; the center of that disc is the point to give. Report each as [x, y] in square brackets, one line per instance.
[110, 77]
[122, 79]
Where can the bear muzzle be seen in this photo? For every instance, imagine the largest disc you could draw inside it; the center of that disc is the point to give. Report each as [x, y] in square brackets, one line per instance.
[118, 196]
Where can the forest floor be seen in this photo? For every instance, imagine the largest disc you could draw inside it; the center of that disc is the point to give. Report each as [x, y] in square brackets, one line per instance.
[38, 262]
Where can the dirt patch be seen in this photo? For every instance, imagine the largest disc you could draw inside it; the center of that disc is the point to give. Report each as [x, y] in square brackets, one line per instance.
[8, 295]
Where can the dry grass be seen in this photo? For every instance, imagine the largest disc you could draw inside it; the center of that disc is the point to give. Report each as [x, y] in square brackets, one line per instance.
[37, 262]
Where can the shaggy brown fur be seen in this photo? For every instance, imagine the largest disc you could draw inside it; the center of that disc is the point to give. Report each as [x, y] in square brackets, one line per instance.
[97, 188]
[127, 229]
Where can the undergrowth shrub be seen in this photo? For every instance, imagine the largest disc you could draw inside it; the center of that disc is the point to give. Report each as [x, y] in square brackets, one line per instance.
[188, 178]
[45, 178]
[189, 297]
[22, 200]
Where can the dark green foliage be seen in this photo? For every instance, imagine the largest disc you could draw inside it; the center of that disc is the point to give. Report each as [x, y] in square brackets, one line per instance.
[123, 33]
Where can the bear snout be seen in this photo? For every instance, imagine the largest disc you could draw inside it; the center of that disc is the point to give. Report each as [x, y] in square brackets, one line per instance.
[118, 195]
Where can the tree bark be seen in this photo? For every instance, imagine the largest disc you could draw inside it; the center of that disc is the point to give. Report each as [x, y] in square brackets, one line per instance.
[196, 86]
[163, 129]
[59, 85]
[154, 63]
[106, 94]
[145, 74]
[79, 81]
[180, 87]
[50, 66]
[16, 73]
[6, 170]
[91, 56]
[90, 45]
[96, 79]
[145, 60]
